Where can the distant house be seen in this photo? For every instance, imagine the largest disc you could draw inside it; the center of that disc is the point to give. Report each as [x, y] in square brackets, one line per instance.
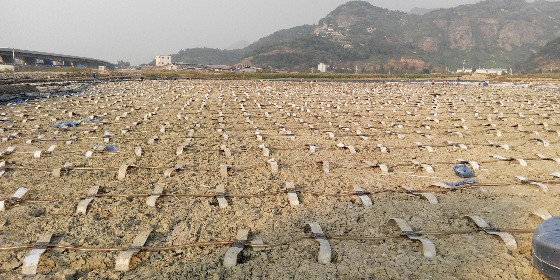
[491, 71]
[162, 60]
[464, 71]
[322, 67]
[219, 68]
[246, 70]
[189, 66]
[172, 67]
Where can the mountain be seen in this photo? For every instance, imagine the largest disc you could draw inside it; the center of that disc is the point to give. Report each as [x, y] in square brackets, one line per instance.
[547, 58]
[420, 11]
[491, 33]
[208, 56]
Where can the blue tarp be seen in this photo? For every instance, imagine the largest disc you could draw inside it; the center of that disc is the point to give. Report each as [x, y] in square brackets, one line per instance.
[111, 148]
[469, 181]
[66, 124]
[463, 171]
[75, 123]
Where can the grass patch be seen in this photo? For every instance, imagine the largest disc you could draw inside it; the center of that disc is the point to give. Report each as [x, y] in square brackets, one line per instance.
[55, 69]
[529, 77]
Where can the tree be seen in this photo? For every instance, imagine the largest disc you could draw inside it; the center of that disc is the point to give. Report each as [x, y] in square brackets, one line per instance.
[123, 64]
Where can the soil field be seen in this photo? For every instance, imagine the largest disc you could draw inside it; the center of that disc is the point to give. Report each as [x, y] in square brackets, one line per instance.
[272, 145]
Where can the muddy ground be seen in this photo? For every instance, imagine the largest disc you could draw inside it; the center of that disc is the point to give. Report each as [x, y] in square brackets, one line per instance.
[289, 116]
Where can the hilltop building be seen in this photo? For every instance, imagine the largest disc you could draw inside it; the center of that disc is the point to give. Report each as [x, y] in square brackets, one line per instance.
[162, 60]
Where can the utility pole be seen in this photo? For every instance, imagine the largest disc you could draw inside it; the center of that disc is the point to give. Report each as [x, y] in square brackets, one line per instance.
[14, 58]
[464, 60]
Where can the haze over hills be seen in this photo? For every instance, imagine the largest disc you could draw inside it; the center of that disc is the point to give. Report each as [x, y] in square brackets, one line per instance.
[492, 33]
[238, 45]
[546, 59]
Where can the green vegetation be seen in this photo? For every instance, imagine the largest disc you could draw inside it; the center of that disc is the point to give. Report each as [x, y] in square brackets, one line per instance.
[123, 64]
[530, 77]
[54, 69]
[279, 39]
[163, 74]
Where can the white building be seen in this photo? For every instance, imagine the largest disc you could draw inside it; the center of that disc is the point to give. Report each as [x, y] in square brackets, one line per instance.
[322, 67]
[465, 71]
[162, 60]
[491, 71]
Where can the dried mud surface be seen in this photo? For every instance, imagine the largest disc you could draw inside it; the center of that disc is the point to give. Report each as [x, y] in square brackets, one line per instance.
[428, 114]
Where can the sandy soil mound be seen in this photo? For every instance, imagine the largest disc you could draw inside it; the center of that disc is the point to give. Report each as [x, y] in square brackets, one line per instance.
[189, 138]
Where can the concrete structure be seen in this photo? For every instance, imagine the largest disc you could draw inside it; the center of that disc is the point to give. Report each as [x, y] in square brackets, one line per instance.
[163, 60]
[7, 68]
[102, 68]
[246, 70]
[219, 68]
[189, 66]
[464, 71]
[172, 67]
[33, 58]
[322, 67]
[491, 71]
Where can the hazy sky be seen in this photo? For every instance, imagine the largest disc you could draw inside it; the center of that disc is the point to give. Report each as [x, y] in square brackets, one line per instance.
[138, 30]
